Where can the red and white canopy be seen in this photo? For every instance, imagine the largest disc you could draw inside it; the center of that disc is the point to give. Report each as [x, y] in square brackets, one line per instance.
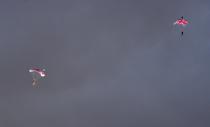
[41, 72]
[182, 22]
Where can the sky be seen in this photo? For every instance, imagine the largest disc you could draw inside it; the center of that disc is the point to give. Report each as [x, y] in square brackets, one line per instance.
[109, 63]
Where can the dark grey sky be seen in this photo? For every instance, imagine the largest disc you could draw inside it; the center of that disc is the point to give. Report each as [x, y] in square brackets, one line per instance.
[109, 63]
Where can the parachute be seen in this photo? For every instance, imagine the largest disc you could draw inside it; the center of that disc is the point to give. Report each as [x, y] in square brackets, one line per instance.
[36, 75]
[181, 22]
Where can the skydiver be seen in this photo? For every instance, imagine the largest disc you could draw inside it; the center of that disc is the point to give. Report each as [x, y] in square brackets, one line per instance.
[181, 22]
[182, 31]
[34, 83]
[36, 74]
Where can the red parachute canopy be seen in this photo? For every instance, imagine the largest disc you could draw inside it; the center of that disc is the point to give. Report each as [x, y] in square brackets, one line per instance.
[182, 22]
[40, 72]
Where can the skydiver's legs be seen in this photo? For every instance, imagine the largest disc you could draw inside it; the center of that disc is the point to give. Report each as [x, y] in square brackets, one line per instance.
[34, 83]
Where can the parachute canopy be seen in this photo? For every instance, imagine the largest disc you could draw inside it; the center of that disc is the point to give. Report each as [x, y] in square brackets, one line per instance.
[39, 72]
[182, 22]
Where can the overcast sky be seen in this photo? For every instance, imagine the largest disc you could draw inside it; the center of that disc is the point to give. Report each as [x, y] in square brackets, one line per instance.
[109, 63]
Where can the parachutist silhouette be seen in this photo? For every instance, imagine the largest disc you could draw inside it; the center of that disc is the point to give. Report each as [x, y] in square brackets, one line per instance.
[181, 22]
[36, 75]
